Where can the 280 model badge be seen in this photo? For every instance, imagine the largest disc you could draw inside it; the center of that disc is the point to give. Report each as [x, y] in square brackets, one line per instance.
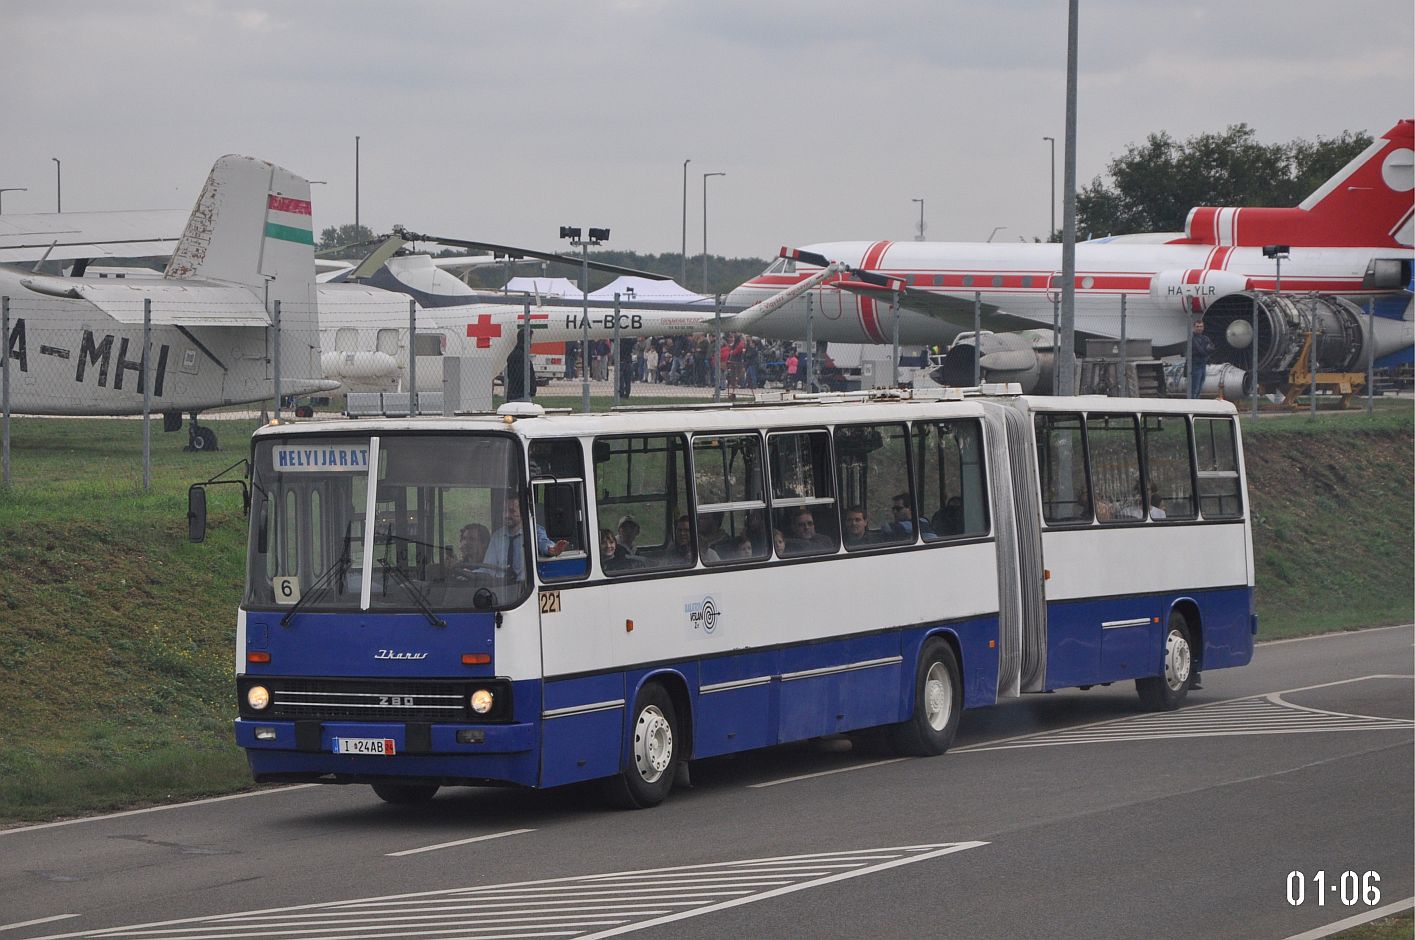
[392, 654]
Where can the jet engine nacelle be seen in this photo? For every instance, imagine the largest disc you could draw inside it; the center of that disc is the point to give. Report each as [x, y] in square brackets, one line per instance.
[1284, 320]
[1005, 357]
[1196, 289]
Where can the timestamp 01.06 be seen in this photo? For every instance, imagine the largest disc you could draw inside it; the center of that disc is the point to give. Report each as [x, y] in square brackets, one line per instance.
[1348, 888]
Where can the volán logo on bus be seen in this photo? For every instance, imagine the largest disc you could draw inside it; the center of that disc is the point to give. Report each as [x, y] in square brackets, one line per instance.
[703, 614]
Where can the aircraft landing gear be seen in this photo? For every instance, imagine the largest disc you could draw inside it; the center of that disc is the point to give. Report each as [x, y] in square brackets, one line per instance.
[199, 439]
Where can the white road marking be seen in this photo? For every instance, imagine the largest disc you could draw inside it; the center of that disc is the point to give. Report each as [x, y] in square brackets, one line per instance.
[448, 845]
[1260, 714]
[1355, 921]
[826, 773]
[158, 809]
[1328, 636]
[42, 920]
[590, 906]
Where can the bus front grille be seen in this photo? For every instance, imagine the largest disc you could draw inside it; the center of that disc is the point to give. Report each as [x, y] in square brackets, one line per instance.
[365, 700]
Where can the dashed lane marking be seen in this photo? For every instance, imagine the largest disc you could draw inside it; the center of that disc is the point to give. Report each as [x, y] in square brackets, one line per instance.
[1265, 713]
[588, 907]
[448, 845]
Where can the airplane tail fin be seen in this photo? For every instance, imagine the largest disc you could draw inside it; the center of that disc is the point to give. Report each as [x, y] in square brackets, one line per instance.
[252, 226]
[1369, 203]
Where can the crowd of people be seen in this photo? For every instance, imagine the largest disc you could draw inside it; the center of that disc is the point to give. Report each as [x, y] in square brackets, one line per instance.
[743, 361]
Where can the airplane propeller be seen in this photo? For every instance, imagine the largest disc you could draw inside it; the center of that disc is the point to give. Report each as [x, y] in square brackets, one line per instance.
[869, 277]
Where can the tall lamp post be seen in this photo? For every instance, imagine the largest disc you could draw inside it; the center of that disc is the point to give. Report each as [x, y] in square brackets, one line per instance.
[920, 236]
[683, 275]
[597, 235]
[1052, 231]
[58, 185]
[705, 179]
[356, 181]
[10, 189]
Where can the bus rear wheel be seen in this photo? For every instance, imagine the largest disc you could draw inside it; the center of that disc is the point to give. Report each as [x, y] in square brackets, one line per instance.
[652, 757]
[1167, 691]
[405, 794]
[938, 703]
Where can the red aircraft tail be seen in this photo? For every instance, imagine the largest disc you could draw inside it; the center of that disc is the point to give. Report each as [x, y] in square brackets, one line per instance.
[1369, 204]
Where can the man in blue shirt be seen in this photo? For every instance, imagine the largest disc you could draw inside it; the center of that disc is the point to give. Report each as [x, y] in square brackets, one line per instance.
[507, 548]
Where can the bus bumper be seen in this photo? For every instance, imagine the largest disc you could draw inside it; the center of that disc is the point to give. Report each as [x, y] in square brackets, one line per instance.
[447, 753]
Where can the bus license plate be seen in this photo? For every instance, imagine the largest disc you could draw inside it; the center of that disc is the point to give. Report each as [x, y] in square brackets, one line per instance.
[378, 746]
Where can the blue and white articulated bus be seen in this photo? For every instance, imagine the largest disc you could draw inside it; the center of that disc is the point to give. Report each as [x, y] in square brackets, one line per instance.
[535, 599]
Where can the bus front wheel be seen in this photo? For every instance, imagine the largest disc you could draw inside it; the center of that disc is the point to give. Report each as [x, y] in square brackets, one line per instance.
[1167, 691]
[938, 703]
[650, 764]
[405, 794]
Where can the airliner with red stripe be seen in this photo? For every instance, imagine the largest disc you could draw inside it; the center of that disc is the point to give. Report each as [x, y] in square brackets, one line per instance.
[1350, 239]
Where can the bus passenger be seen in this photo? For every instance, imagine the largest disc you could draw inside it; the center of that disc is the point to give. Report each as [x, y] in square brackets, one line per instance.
[473, 541]
[805, 540]
[901, 506]
[1156, 502]
[857, 528]
[613, 556]
[628, 532]
[505, 547]
[778, 542]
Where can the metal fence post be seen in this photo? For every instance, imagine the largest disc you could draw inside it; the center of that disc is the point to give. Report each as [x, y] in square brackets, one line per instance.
[5, 388]
[1370, 356]
[977, 338]
[147, 394]
[894, 315]
[1124, 354]
[275, 325]
[584, 350]
[528, 376]
[810, 343]
[717, 346]
[614, 352]
[412, 358]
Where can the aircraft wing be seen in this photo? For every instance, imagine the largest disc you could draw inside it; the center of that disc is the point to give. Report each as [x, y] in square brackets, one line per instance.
[175, 302]
[69, 235]
[957, 309]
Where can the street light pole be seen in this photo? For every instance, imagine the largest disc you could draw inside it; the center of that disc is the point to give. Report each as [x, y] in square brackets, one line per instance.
[995, 230]
[1052, 231]
[596, 235]
[920, 236]
[683, 275]
[705, 179]
[356, 181]
[10, 189]
[58, 185]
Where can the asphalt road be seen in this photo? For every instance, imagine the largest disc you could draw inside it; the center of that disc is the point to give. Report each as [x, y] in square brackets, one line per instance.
[1061, 815]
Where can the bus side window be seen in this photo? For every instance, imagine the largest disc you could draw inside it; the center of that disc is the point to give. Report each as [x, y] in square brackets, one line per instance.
[642, 487]
[1219, 491]
[803, 507]
[872, 469]
[952, 490]
[1167, 468]
[1061, 466]
[558, 494]
[1115, 467]
[727, 474]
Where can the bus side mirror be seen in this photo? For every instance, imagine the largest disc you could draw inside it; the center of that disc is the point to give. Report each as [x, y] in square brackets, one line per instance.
[196, 513]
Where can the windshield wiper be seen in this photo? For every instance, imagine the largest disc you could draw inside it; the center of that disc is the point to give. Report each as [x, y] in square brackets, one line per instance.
[334, 574]
[413, 590]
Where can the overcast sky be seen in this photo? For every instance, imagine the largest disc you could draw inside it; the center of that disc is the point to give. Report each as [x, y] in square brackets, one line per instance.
[504, 121]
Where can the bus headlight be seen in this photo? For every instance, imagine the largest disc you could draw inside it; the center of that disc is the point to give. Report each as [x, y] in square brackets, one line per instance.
[258, 697]
[482, 701]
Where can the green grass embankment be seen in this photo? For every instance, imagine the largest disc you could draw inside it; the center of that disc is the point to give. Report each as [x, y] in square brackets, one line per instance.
[116, 634]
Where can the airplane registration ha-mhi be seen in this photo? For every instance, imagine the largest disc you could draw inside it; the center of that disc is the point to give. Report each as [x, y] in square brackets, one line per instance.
[1346, 244]
[75, 344]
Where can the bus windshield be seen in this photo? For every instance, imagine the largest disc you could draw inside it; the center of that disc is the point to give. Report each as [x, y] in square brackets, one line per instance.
[444, 534]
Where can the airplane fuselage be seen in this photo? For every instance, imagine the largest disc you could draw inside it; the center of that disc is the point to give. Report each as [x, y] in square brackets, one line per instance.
[1160, 282]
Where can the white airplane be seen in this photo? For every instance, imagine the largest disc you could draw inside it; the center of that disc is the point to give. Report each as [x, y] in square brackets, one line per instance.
[75, 344]
[1348, 242]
